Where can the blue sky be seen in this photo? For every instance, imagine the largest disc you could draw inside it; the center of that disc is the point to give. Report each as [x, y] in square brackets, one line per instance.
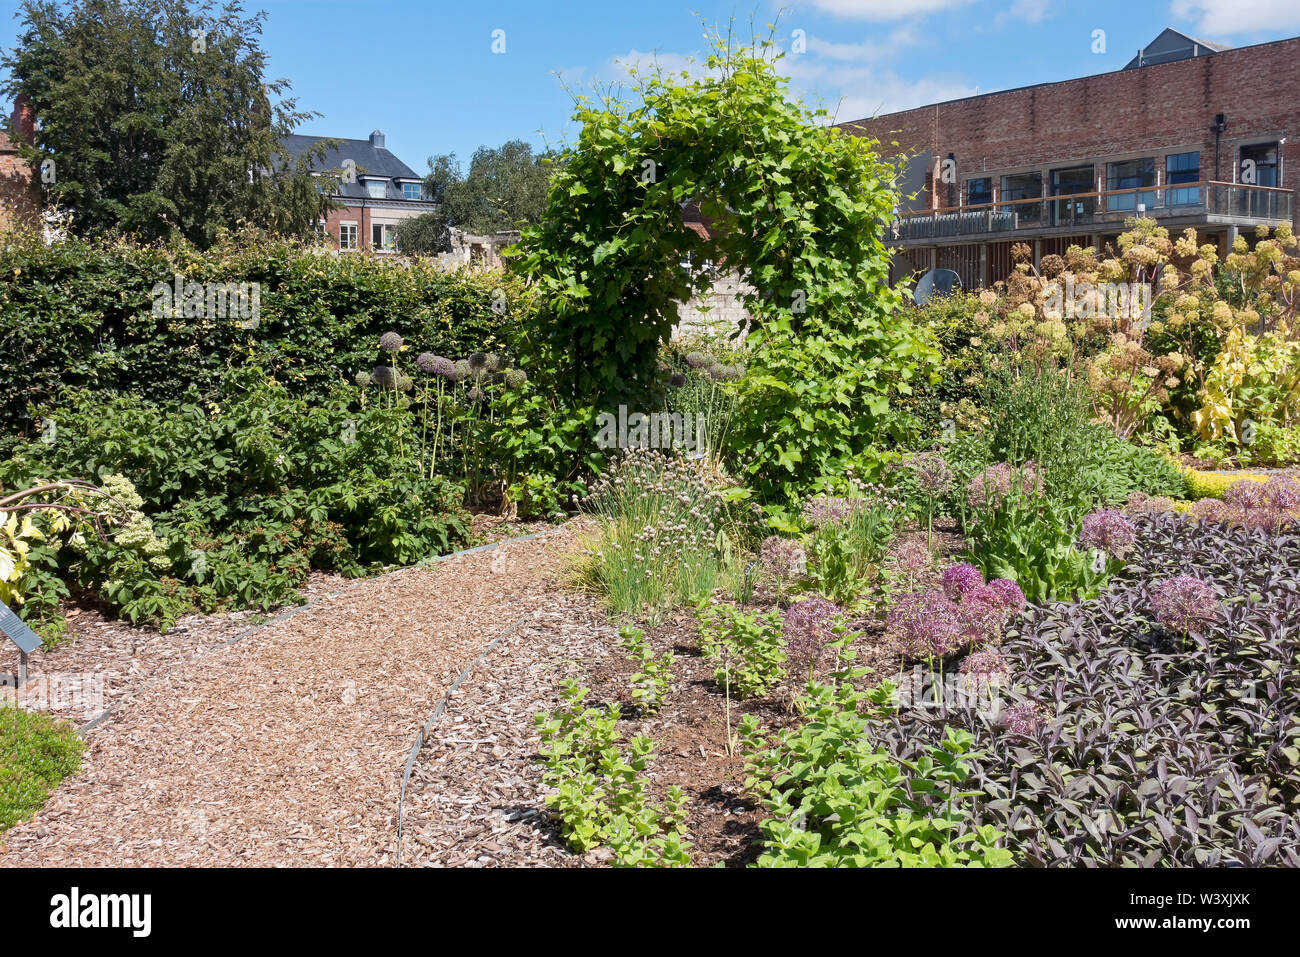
[425, 73]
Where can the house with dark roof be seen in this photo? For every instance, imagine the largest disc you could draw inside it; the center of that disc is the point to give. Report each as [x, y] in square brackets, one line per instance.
[376, 191]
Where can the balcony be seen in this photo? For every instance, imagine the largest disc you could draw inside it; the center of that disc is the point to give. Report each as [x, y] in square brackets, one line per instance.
[1184, 204]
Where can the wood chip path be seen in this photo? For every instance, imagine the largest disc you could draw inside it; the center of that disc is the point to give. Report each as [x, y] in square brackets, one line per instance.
[287, 747]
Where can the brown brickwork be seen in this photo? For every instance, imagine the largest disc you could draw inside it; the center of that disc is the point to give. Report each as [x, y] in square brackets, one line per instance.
[20, 193]
[1163, 108]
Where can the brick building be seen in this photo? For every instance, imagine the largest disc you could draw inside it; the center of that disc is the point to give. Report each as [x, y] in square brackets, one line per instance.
[1190, 133]
[20, 193]
[378, 192]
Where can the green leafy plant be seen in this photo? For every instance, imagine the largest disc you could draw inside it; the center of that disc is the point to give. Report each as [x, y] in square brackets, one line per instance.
[836, 799]
[847, 548]
[600, 790]
[651, 680]
[1033, 541]
[745, 648]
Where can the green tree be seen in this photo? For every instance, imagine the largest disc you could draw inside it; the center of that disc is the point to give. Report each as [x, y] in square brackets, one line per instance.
[504, 189]
[800, 208]
[158, 119]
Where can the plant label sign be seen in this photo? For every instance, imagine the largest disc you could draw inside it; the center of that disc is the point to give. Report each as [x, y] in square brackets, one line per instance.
[16, 630]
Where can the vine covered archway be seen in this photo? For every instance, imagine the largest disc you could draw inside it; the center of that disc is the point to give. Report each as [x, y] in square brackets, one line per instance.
[799, 209]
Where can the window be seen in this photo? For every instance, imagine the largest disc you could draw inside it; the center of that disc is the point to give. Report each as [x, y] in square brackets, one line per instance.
[318, 231]
[979, 192]
[1024, 186]
[347, 235]
[1183, 168]
[1259, 164]
[377, 188]
[411, 191]
[383, 236]
[1131, 174]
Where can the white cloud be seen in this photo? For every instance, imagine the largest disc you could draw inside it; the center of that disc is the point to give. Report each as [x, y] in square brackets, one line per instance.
[1026, 11]
[898, 39]
[1227, 17]
[854, 92]
[882, 9]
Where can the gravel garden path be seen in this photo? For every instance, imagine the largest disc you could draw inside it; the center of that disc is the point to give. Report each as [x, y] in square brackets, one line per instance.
[287, 747]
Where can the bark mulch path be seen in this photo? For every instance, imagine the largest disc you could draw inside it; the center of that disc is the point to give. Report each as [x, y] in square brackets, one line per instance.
[287, 747]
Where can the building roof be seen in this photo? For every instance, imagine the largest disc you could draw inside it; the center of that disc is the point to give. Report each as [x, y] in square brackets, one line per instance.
[1171, 45]
[369, 158]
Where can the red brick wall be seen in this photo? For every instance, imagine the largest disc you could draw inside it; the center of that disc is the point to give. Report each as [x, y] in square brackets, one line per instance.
[20, 193]
[1165, 107]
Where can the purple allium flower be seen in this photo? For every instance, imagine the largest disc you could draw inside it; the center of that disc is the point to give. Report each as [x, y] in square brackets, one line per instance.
[390, 342]
[932, 475]
[1246, 496]
[996, 482]
[677, 380]
[362, 379]
[986, 666]
[808, 628]
[460, 370]
[427, 362]
[827, 510]
[1024, 718]
[1283, 493]
[443, 368]
[1108, 530]
[476, 395]
[478, 360]
[783, 558]
[1013, 599]
[925, 624]
[1185, 604]
[911, 563]
[1209, 510]
[383, 376]
[981, 614]
[959, 579]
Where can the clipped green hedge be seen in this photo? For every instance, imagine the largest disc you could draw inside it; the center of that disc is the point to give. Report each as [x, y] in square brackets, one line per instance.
[80, 314]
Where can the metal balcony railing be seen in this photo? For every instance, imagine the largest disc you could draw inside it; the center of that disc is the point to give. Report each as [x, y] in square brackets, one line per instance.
[1108, 207]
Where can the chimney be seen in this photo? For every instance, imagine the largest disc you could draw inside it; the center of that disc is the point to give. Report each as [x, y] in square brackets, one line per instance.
[377, 139]
[24, 120]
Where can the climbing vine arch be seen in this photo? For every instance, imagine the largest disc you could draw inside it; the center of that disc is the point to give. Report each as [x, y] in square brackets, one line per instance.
[798, 208]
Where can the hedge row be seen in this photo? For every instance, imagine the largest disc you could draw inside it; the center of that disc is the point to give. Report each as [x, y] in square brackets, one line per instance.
[81, 313]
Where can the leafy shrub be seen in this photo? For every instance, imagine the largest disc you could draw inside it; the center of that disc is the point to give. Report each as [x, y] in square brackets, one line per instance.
[1130, 744]
[653, 675]
[600, 794]
[746, 649]
[36, 753]
[836, 799]
[79, 314]
[238, 502]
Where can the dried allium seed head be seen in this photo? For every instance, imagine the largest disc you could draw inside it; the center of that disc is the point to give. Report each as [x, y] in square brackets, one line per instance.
[362, 379]
[808, 628]
[478, 360]
[932, 475]
[783, 558]
[1185, 604]
[1025, 718]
